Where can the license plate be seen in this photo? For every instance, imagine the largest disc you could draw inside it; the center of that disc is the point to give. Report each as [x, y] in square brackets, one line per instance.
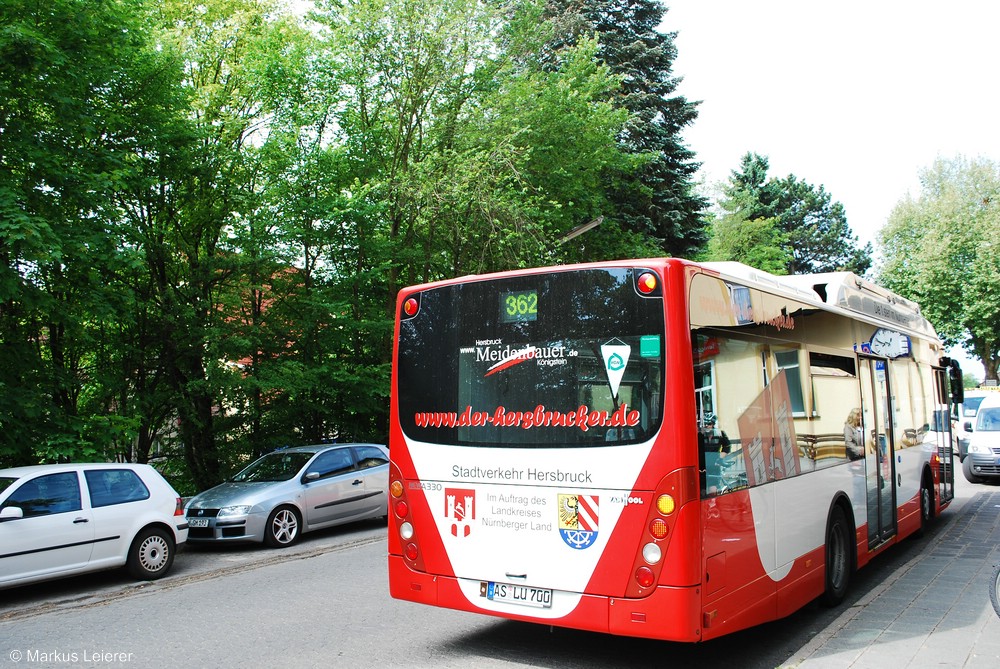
[197, 522]
[516, 594]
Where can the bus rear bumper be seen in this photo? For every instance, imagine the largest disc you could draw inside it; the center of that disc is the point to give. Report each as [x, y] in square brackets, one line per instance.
[413, 586]
[669, 613]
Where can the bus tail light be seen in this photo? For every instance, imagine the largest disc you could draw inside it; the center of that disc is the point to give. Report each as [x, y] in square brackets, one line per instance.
[647, 283]
[405, 541]
[658, 528]
[411, 306]
[665, 504]
[674, 491]
[651, 553]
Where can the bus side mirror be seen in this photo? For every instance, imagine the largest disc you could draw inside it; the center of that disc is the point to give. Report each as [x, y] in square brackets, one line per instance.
[957, 382]
[955, 379]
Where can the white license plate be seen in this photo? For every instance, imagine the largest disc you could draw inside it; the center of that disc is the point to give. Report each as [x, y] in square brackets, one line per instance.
[516, 594]
[197, 522]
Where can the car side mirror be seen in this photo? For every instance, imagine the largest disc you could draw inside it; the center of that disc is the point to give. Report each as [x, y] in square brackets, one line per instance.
[11, 513]
[310, 476]
[968, 426]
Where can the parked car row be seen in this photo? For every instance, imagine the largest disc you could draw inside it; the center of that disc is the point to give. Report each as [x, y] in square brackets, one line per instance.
[67, 519]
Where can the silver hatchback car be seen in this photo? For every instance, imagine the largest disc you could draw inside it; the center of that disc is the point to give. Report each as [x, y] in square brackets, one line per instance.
[288, 492]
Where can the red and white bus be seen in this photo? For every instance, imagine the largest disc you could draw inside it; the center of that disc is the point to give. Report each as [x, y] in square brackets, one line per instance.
[658, 448]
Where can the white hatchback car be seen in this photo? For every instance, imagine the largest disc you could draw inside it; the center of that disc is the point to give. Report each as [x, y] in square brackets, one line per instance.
[61, 520]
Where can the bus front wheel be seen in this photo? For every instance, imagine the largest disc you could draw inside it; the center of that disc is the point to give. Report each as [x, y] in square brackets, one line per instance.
[838, 557]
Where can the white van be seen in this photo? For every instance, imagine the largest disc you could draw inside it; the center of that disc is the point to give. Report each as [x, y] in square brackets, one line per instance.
[967, 418]
[982, 461]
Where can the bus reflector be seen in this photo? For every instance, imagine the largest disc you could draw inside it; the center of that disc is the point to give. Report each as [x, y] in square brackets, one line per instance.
[665, 504]
[644, 577]
[410, 306]
[410, 551]
[658, 528]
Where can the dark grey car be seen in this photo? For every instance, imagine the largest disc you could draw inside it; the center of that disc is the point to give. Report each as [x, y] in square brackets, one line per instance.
[290, 491]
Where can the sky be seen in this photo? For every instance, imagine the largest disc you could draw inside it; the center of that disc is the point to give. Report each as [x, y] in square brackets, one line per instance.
[857, 96]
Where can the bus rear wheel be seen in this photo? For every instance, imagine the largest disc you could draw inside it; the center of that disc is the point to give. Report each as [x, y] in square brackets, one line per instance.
[926, 505]
[838, 557]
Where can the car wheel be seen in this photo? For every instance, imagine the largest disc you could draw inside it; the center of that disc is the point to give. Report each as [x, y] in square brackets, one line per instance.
[967, 471]
[838, 557]
[995, 588]
[151, 554]
[283, 527]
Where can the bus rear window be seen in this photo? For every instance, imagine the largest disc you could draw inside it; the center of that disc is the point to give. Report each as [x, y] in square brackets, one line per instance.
[559, 359]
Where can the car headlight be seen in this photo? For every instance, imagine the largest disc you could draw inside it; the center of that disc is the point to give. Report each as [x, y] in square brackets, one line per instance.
[979, 448]
[240, 510]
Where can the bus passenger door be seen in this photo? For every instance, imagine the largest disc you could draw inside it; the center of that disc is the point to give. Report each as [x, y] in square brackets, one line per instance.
[945, 435]
[876, 422]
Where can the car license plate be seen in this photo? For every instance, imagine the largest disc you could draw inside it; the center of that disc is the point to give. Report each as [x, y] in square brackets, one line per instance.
[516, 594]
[197, 522]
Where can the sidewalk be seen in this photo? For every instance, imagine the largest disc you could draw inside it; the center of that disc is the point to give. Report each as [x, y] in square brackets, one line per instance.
[933, 612]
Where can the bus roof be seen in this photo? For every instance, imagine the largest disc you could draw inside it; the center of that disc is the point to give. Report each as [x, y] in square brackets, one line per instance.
[835, 290]
[845, 290]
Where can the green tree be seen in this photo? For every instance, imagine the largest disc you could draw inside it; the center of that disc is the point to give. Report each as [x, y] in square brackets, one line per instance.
[817, 229]
[813, 226]
[78, 83]
[940, 249]
[758, 243]
[659, 202]
[459, 136]
[183, 211]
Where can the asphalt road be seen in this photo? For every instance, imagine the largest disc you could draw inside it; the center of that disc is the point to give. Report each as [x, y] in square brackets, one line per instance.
[325, 603]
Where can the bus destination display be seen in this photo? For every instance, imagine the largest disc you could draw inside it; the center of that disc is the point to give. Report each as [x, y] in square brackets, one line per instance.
[519, 307]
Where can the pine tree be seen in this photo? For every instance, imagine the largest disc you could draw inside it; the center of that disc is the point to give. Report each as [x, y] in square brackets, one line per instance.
[662, 203]
[813, 226]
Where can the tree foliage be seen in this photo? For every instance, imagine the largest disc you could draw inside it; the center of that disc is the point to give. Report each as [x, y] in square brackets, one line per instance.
[660, 202]
[78, 82]
[941, 249]
[758, 243]
[811, 229]
[207, 209]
